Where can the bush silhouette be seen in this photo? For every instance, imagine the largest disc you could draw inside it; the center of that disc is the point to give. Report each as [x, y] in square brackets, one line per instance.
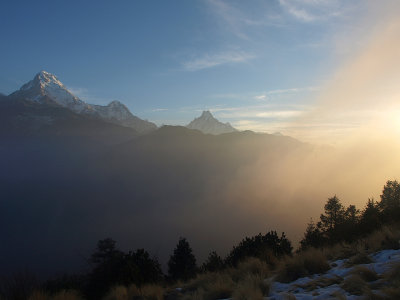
[260, 246]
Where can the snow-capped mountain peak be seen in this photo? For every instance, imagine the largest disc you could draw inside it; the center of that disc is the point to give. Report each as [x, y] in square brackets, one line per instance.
[42, 79]
[210, 125]
[206, 115]
[114, 110]
[45, 87]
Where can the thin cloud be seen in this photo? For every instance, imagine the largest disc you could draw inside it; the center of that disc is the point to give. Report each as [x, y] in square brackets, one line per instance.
[266, 95]
[231, 16]
[209, 61]
[312, 10]
[259, 112]
[298, 13]
[294, 90]
[87, 96]
[237, 21]
[262, 97]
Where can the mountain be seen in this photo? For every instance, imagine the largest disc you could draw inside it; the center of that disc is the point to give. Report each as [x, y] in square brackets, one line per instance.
[206, 123]
[45, 88]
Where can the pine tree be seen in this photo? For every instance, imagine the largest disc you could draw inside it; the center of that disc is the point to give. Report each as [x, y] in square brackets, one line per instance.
[182, 264]
[214, 263]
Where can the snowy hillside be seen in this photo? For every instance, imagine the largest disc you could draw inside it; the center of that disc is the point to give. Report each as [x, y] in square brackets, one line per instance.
[342, 280]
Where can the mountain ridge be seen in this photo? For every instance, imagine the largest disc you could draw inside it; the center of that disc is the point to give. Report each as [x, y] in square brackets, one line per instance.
[46, 86]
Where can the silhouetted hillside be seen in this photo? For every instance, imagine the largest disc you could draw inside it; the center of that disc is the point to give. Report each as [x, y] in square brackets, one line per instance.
[71, 184]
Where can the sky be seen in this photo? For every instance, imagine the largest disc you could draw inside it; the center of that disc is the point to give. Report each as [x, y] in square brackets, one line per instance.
[259, 64]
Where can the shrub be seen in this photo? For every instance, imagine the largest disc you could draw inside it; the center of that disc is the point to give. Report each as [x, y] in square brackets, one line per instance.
[355, 285]
[386, 238]
[38, 295]
[365, 273]
[152, 292]
[361, 258]
[117, 293]
[133, 291]
[213, 285]
[253, 266]
[214, 263]
[251, 288]
[320, 282]
[261, 246]
[67, 295]
[305, 263]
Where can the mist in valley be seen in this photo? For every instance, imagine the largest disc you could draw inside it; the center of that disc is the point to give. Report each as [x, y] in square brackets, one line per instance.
[146, 191]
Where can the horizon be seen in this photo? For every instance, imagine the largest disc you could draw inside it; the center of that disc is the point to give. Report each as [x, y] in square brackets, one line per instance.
[260, 67]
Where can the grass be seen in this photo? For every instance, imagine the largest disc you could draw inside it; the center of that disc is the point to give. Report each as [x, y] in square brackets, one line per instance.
[248, 279]
[342, 250]
[152, 292]
[320, 283]
[148, 292]
[232, 282]
[213, 285]
[365, 273]
[309, 262]
[117, 293]
[360, 258]
[62, 295]
[250, 288]
[385, 238]
[355, 285]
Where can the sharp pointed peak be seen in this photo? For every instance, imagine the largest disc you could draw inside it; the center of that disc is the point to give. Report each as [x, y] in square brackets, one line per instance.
[206, 112]
[46, 77]
[115, 103]
[44, 74]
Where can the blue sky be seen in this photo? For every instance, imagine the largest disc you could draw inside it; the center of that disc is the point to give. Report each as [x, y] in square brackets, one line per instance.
[257, 64]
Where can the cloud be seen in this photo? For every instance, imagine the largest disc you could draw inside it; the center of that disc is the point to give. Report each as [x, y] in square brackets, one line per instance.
[209, 61]
[266, 95]
[261, 97]
[78, 91]
[313, 10]
[231, 16]
[294, 90]
[298, 13]
[87, 96]
[260, 112]
[238, 20]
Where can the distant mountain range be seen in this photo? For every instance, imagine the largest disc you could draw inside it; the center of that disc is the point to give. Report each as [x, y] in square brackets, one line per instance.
[45, 88]
[46, 91]
[72, 173]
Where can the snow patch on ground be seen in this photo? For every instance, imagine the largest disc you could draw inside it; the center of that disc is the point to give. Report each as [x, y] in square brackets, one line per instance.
[382, 262]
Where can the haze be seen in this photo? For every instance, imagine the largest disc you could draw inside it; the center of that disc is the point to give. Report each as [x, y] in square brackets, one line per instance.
[340, 118]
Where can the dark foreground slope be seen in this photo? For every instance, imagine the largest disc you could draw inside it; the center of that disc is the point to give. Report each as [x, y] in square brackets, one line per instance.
[74, 181]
